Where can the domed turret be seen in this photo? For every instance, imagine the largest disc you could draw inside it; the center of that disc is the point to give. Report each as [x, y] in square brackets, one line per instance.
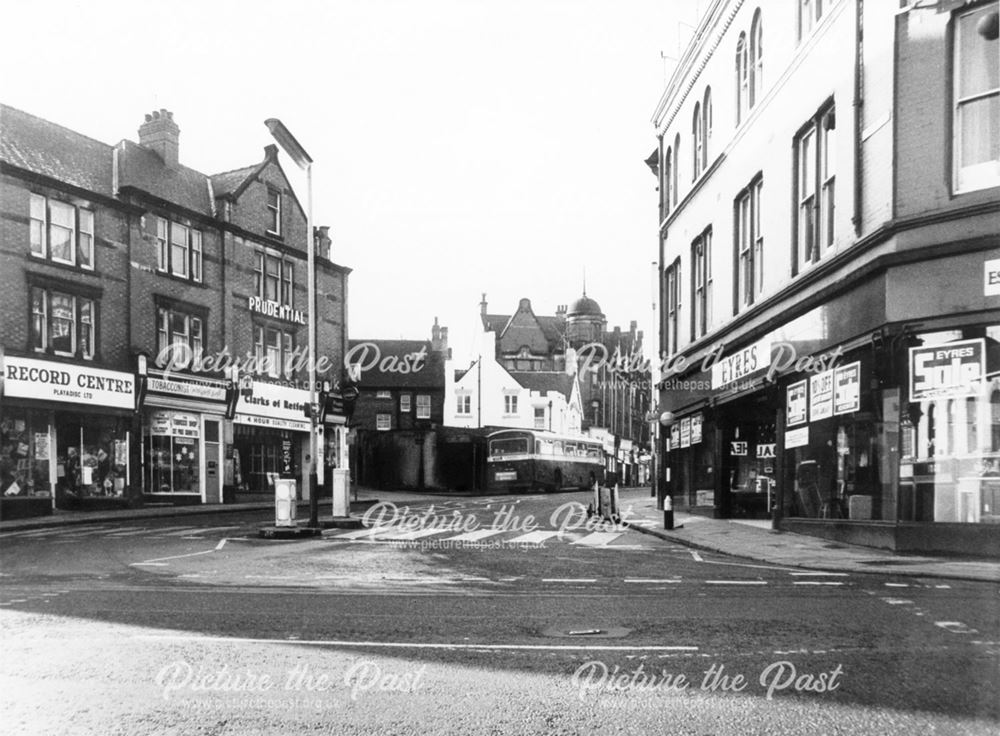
[585, 307]
[585, 321]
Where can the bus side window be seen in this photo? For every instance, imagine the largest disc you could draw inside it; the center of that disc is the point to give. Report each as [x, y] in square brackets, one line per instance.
[557, 448]
[570, 448]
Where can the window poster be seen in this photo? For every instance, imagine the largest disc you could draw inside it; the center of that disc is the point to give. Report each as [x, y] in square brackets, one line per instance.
[797, 403]
[847, 389]
[821, 396]
[696, 429]
[686, 432]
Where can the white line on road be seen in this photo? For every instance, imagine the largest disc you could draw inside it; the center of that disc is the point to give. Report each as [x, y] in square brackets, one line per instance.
[421, 645]
[897, 601]
[598, 539]
[175, 557]
[569, 580]
[736, 582]
[221, 544]
[897, 585]
[821, 574]
[475, 536]
[532, 538]
[816, 582]
[199, 530]
[651, 581]
[697, 557]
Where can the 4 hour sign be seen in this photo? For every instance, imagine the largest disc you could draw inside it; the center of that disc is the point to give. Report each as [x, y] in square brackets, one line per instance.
[951, 369]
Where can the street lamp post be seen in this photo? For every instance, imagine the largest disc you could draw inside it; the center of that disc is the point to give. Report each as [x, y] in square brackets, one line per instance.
[666, 420]
[304, 161]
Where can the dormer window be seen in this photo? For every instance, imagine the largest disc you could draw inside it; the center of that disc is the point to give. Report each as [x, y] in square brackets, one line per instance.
[273, 211]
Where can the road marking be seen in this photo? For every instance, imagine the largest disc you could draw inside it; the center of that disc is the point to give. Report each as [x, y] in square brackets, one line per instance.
[736, 582]
[598, 539]
[199, 530]
[149, 564]
[943, 587]
[897, 601]
[475, 536]
[133, 533]
[83, 532]
[415, 534]
[955, 627]
[818, 574]
[651, 581]
[569, 580]
[816, 582]
[533, 538]
[697, 557]
[220, 545]
[422, 645]
[897, 585]
[161, 560]
[358, 533]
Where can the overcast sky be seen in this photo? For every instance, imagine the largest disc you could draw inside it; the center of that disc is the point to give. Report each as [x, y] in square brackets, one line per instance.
[460, 147]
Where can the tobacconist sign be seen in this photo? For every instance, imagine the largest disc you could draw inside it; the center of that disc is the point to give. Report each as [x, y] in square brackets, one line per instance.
[951, 369]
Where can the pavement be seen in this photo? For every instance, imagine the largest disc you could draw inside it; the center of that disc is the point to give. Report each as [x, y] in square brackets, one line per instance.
[750, 539]
[756, 540]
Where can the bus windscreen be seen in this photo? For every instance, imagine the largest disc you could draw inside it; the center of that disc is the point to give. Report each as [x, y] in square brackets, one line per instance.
[512, 446]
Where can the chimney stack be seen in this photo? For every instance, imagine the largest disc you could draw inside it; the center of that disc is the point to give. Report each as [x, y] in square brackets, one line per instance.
[439, 338]
[160, 133]
[323, 243]
[482, 305]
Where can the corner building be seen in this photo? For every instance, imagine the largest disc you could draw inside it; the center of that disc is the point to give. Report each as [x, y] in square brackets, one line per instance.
[830, 270]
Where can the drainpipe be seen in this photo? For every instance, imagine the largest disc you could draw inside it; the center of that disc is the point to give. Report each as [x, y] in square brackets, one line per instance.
[859, 8]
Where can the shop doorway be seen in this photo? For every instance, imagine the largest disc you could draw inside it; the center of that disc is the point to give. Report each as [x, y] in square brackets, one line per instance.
[749, 466]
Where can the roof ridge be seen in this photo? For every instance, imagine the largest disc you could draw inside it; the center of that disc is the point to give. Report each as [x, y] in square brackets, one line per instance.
[233, 171]
[55, 125]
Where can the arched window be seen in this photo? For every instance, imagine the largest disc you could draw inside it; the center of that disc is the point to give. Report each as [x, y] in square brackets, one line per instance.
[706, 114]
[668, 182]
[756, 85]
[677, 165]
[741, 78]
[696, 137]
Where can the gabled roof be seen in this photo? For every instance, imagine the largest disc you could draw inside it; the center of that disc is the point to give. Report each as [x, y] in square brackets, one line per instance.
[553, 328]
[143, 169]
[544, 381]
[31, 143]
[228, 182]
[393, 356]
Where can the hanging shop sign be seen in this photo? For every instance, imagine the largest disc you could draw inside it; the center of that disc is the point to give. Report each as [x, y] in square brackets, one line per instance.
[952, 369]
[696, 429]
[798, 405]
[738, 448]
[45, 380]
[686, 432]
[273, 406]
[186, 386]
[742, 363]
[847, 388]
[821, 396]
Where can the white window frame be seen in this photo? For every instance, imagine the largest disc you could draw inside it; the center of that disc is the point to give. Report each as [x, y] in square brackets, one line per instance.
[405, 403]
[81, 231]
[463, 405]
[41, 324]
[510, 405]
[986, 173]
[749, 245]
[423, 406]
[815, 188]
[282, 277]
[274, 211]
[755, 87]
[383, 422]
[181, 257]
[274, 358]
[701, 284]
[383, 394]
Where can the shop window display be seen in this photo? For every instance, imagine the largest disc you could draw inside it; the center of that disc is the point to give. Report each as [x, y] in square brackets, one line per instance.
[24, 455]
[172, 452]
[950, 428]
[91, 456]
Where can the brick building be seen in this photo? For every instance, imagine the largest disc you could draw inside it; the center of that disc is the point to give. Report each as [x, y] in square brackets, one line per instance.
[830, 319]
[138, 285]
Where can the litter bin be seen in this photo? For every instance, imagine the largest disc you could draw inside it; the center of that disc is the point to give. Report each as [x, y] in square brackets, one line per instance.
[284, 502]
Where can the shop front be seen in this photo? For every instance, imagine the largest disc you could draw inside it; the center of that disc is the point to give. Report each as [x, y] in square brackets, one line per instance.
[182, 422]
[270, 437]
[66, 434]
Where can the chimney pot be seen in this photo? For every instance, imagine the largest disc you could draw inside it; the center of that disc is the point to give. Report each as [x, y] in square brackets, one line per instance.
[159, 133]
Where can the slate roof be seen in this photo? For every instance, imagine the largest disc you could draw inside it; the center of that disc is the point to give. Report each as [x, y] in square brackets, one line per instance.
[31, 143]
[39, 146]
[143, 169]
[552, 327]
[229, 181]
[430, 376]
[543, 381]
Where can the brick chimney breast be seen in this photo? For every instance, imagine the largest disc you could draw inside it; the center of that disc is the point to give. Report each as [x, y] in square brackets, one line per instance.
[159, 133]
